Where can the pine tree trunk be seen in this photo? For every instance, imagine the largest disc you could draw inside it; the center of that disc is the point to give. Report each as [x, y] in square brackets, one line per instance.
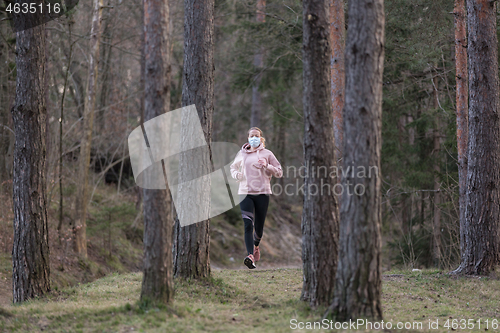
[80, 227]
[6, 131]
[157, 280]
[436, 225]
[481, 226]
[192, 242]
[337, 33]
[358, 283]
[143, 71]
[30, 253]
[48, 140]
[258, 62]
[320, 222]
[5, 134]
[279, 137]
[77, 93]
[60, 138]
[405, 219]
[4, 107]
[106, 55]
[462, 96]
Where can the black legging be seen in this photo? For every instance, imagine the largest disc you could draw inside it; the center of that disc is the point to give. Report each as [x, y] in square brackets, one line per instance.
[253, 203]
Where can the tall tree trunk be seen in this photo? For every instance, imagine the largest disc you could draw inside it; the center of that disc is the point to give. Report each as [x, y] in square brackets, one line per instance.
[279, 138]
[436, 225]
[5, 134]
[157, 280]
[4, 111]
[80, 227]
[77, 93]
[9, 103]
[192, 242]
[481, 227]
[106, 65]
[405, 217]
[30, 253]
[258, 62]
[47, 125]
[320, 222]
[143, 72]
[358, 283]
[462, 96]
[337, 33]
[61, 120]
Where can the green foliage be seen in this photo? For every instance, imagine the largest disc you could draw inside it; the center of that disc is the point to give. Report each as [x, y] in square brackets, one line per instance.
[419, 47]
[411, 250]
[279, 40]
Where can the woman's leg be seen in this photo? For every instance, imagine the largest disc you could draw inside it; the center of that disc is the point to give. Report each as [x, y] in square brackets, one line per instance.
[261, 204]
[247, 209]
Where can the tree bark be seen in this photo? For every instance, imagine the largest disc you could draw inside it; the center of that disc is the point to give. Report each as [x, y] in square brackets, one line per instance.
[481, 225]
[106, 56]
[192, 242]
[4, 113]
[405, 216]
[358, 282]
[320, 221]
[258, 62]
[279, 137]
[47, 125]
[61, 120]
[6, 129]
[337, 33]
[462, 96]
[77, 93]
[30, 252]
[157, 280]
[436, 225]
[142, 81]
[80, 227]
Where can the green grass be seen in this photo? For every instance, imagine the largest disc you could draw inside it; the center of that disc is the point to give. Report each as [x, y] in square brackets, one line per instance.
[245, 301]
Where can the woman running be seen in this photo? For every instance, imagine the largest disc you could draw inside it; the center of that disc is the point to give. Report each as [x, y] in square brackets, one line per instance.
[257, 166]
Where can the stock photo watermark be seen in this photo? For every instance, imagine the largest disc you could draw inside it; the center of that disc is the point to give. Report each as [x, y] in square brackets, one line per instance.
[298, 186]
[24, 15]
[427, 325]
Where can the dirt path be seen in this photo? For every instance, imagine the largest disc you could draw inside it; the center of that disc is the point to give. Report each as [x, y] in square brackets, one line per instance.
[262, 266]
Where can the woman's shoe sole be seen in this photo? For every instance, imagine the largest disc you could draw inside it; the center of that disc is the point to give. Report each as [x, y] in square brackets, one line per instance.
[248, 262]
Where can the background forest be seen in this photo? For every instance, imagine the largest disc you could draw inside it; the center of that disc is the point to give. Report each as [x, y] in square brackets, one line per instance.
[419, 163]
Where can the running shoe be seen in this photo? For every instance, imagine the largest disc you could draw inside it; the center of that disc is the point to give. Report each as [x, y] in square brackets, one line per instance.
[250, 262]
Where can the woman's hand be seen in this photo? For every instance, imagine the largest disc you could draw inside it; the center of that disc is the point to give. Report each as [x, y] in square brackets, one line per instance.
[262, 163]
[239, 176]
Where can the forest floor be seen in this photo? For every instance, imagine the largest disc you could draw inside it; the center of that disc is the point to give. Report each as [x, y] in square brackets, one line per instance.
[260, 300]
[101, 293]
[114, 232]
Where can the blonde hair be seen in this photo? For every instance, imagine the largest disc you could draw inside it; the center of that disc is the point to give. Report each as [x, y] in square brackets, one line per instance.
[262, 139]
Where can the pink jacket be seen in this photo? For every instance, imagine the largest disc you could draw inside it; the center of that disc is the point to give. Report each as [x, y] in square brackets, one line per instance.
[255, 180]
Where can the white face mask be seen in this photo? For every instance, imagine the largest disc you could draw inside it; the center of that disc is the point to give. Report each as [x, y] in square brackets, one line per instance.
[254, 141]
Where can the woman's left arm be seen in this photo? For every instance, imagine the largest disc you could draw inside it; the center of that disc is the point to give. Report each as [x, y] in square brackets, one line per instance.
[274, 167]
